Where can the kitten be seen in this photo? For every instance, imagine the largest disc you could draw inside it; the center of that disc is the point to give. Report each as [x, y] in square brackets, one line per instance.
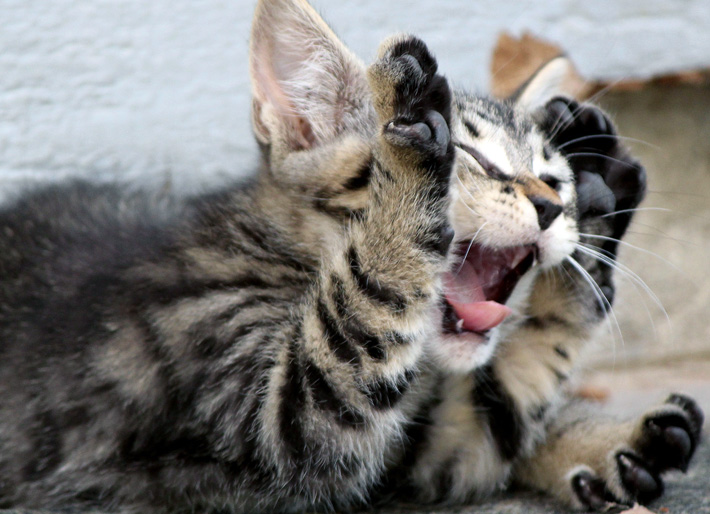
[378, 312]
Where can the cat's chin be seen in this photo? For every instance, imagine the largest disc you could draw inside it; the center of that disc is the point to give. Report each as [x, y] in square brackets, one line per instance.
[462, 353]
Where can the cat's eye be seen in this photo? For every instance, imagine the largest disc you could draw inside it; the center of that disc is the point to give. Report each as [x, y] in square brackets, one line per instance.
[491, 169]
[472, 129]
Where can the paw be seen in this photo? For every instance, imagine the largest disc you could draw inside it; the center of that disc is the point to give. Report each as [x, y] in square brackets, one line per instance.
[608, 179]
[669, 435]
[610, 183]
[665, 439]
[413, 104]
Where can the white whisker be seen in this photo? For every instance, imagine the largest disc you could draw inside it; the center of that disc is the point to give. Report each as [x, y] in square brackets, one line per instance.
[626, 271]
[629, 245]
[597, 154]
[637, 209]
[469, 247]
[604, 302]
[606, 136]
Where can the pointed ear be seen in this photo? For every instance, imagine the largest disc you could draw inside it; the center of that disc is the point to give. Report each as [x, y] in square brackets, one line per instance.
[306, 84]
[557, 77]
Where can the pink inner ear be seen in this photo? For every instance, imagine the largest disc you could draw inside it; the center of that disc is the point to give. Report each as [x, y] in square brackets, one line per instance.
[303, 78]
[268, 89]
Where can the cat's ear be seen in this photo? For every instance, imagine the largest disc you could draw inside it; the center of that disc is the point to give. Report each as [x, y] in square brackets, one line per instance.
[306, 84]
[557, 77]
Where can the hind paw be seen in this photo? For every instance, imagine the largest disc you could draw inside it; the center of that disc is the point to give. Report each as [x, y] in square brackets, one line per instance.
[665, 439]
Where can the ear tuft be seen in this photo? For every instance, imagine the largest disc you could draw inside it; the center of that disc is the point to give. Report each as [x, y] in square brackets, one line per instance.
[305, 82]
[557, 77]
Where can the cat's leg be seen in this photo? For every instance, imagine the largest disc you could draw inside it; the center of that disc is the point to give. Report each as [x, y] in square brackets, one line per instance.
[590, 459]
[328, 388]
[486, 421]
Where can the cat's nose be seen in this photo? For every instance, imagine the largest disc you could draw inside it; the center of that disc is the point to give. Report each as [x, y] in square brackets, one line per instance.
[547, 211]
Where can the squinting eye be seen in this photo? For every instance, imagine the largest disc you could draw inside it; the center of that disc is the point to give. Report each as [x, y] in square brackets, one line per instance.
[488, 167]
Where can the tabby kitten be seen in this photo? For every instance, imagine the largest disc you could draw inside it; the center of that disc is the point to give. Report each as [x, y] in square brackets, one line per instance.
[379, 311]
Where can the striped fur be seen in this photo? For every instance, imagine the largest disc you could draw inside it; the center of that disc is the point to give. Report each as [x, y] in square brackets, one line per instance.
[278, 346]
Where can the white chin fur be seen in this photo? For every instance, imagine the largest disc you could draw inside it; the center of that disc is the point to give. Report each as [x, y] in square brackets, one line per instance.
[557, 242]
[461, 353]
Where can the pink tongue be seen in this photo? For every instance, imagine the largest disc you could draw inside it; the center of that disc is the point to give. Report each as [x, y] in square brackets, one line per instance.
[465, 294]
[480, 316]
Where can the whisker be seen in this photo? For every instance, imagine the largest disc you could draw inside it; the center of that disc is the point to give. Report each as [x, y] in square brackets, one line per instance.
[468, 250]
[662, 235]
[627, 244]
[636, 209]
[557, 129]
[465, 190]
[601, 155]
[609, 325]
[636, 286]
[608, 136]
[604, 302]
[676, 193]
[626, 271]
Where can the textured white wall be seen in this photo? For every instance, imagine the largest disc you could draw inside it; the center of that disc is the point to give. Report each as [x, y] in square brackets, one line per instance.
[159, 88]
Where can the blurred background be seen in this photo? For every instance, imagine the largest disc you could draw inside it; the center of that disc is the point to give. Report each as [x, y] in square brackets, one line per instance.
[158, 92]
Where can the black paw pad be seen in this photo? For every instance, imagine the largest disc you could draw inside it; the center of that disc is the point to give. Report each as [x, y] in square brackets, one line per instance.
[610, 183]
[419, 89]
[573, 126]
[641, 483]
[692, 409]
[669, 442]
[608, 290]
[421, 105]
[591, 491]
[594, 196]
[417, 49]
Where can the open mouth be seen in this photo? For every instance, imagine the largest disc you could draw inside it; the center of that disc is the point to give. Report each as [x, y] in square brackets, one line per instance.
[479, 284]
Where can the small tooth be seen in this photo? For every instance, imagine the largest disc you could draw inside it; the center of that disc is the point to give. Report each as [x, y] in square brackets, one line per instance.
[459, 326]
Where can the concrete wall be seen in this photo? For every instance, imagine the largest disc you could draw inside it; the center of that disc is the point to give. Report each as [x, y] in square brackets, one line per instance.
[158, 89]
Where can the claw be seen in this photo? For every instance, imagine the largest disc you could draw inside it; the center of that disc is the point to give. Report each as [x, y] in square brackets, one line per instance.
[639, 481]
[590, 490]
[440, 128]
[693, 409]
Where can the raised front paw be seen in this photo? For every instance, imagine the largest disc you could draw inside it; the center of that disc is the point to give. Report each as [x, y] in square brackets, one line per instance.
[664, 439]
[413, 104]
[610, 183]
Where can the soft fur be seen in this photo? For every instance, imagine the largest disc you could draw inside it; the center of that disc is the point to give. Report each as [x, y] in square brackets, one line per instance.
[278, 346]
